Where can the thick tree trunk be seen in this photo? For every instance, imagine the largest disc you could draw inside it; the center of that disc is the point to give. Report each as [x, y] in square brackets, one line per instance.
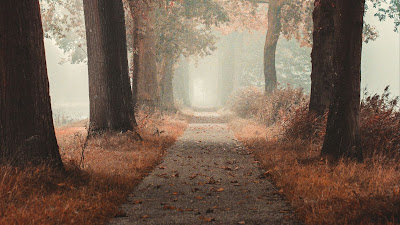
[322, 75]
[109, 89]
[135, 55]
[342, 137]
[147, 85]
[273, 33]
[26, 124]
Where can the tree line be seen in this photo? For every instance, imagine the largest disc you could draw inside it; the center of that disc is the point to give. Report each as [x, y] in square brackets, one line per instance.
[160, 33]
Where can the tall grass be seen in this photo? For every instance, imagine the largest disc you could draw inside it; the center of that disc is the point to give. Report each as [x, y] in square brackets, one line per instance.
[321, 193]
[114, 164]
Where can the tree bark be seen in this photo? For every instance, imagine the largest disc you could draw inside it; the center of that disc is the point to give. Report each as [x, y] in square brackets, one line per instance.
[273, 33]
[135, 55]
[109, 87]
[322, 75]
[26, 124]
[342, 137]
[145, 41]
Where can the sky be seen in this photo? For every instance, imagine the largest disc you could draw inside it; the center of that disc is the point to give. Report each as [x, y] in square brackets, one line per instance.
[381, 58]
[380, 67]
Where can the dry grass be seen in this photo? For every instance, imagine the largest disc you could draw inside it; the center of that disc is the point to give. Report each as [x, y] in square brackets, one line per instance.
[346, 193]
[251, 102]
[322, 193]
[114, 164]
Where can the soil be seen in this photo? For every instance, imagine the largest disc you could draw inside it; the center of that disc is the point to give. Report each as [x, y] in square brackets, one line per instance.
[206, 177]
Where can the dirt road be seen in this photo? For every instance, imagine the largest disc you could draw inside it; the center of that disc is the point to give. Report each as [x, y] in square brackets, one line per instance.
[206, 177]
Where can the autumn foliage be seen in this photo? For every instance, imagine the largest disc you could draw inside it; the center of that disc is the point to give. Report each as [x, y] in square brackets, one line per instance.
[322, 193]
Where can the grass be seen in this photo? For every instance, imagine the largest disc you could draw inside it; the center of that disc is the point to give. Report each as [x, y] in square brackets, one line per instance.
[113, 165]
[320, 192]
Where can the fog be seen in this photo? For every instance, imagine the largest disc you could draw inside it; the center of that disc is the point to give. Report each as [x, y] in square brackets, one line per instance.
[237, 62]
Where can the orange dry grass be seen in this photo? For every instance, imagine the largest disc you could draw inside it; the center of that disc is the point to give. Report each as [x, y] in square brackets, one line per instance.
[114, 164]
[346, 193]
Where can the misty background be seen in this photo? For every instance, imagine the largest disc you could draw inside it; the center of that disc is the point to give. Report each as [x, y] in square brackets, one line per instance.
[380, 68]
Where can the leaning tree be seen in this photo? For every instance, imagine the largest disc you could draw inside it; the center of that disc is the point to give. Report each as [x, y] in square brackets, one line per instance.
[26, 124]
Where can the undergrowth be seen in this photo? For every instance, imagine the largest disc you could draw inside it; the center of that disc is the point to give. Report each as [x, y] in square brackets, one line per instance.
[322, 193]
[113, 165]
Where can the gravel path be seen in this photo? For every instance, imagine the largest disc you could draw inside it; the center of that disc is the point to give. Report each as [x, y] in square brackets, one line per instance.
[206, 177]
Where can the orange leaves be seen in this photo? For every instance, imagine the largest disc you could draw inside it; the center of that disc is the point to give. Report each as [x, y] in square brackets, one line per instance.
[199, 198]
[207, 219]
[220, 189]
[169, 207]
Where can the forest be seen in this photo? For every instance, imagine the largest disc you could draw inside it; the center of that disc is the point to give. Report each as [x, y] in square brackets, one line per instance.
[199, 111]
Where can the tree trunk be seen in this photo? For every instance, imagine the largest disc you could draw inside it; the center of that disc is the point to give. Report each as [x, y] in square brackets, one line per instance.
[135, 55]
[147, 85]
[167, 92]
[26, 124]
[273, 33]
[322, 75]
[109, 89]
[342, 137]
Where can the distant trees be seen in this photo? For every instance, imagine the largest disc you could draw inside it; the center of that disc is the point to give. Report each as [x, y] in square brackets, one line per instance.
[290, 18]
[26, 125]
[110, 94]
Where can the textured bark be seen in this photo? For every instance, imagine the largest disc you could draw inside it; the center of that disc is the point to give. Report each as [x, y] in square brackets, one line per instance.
[147, 85]
[109, 89]
[342, 137]
[273, 33]
[26, 124]
[322, 75]
[135, 56]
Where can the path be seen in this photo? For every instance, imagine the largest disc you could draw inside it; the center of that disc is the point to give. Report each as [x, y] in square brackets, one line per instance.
[206, 177]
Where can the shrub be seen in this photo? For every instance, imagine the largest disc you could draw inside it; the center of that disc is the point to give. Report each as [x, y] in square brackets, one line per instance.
[379, 125]
[266, 108]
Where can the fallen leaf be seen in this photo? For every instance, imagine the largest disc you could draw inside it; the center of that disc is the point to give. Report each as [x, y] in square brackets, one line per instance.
[175, 193]
[170, 207]
[199, 197]
[242, 222]
[205, 219]
[221, 189]
[145, 216]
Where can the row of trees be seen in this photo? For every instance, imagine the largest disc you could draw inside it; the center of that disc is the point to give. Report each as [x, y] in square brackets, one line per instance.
[27, 130]
[159, 33]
